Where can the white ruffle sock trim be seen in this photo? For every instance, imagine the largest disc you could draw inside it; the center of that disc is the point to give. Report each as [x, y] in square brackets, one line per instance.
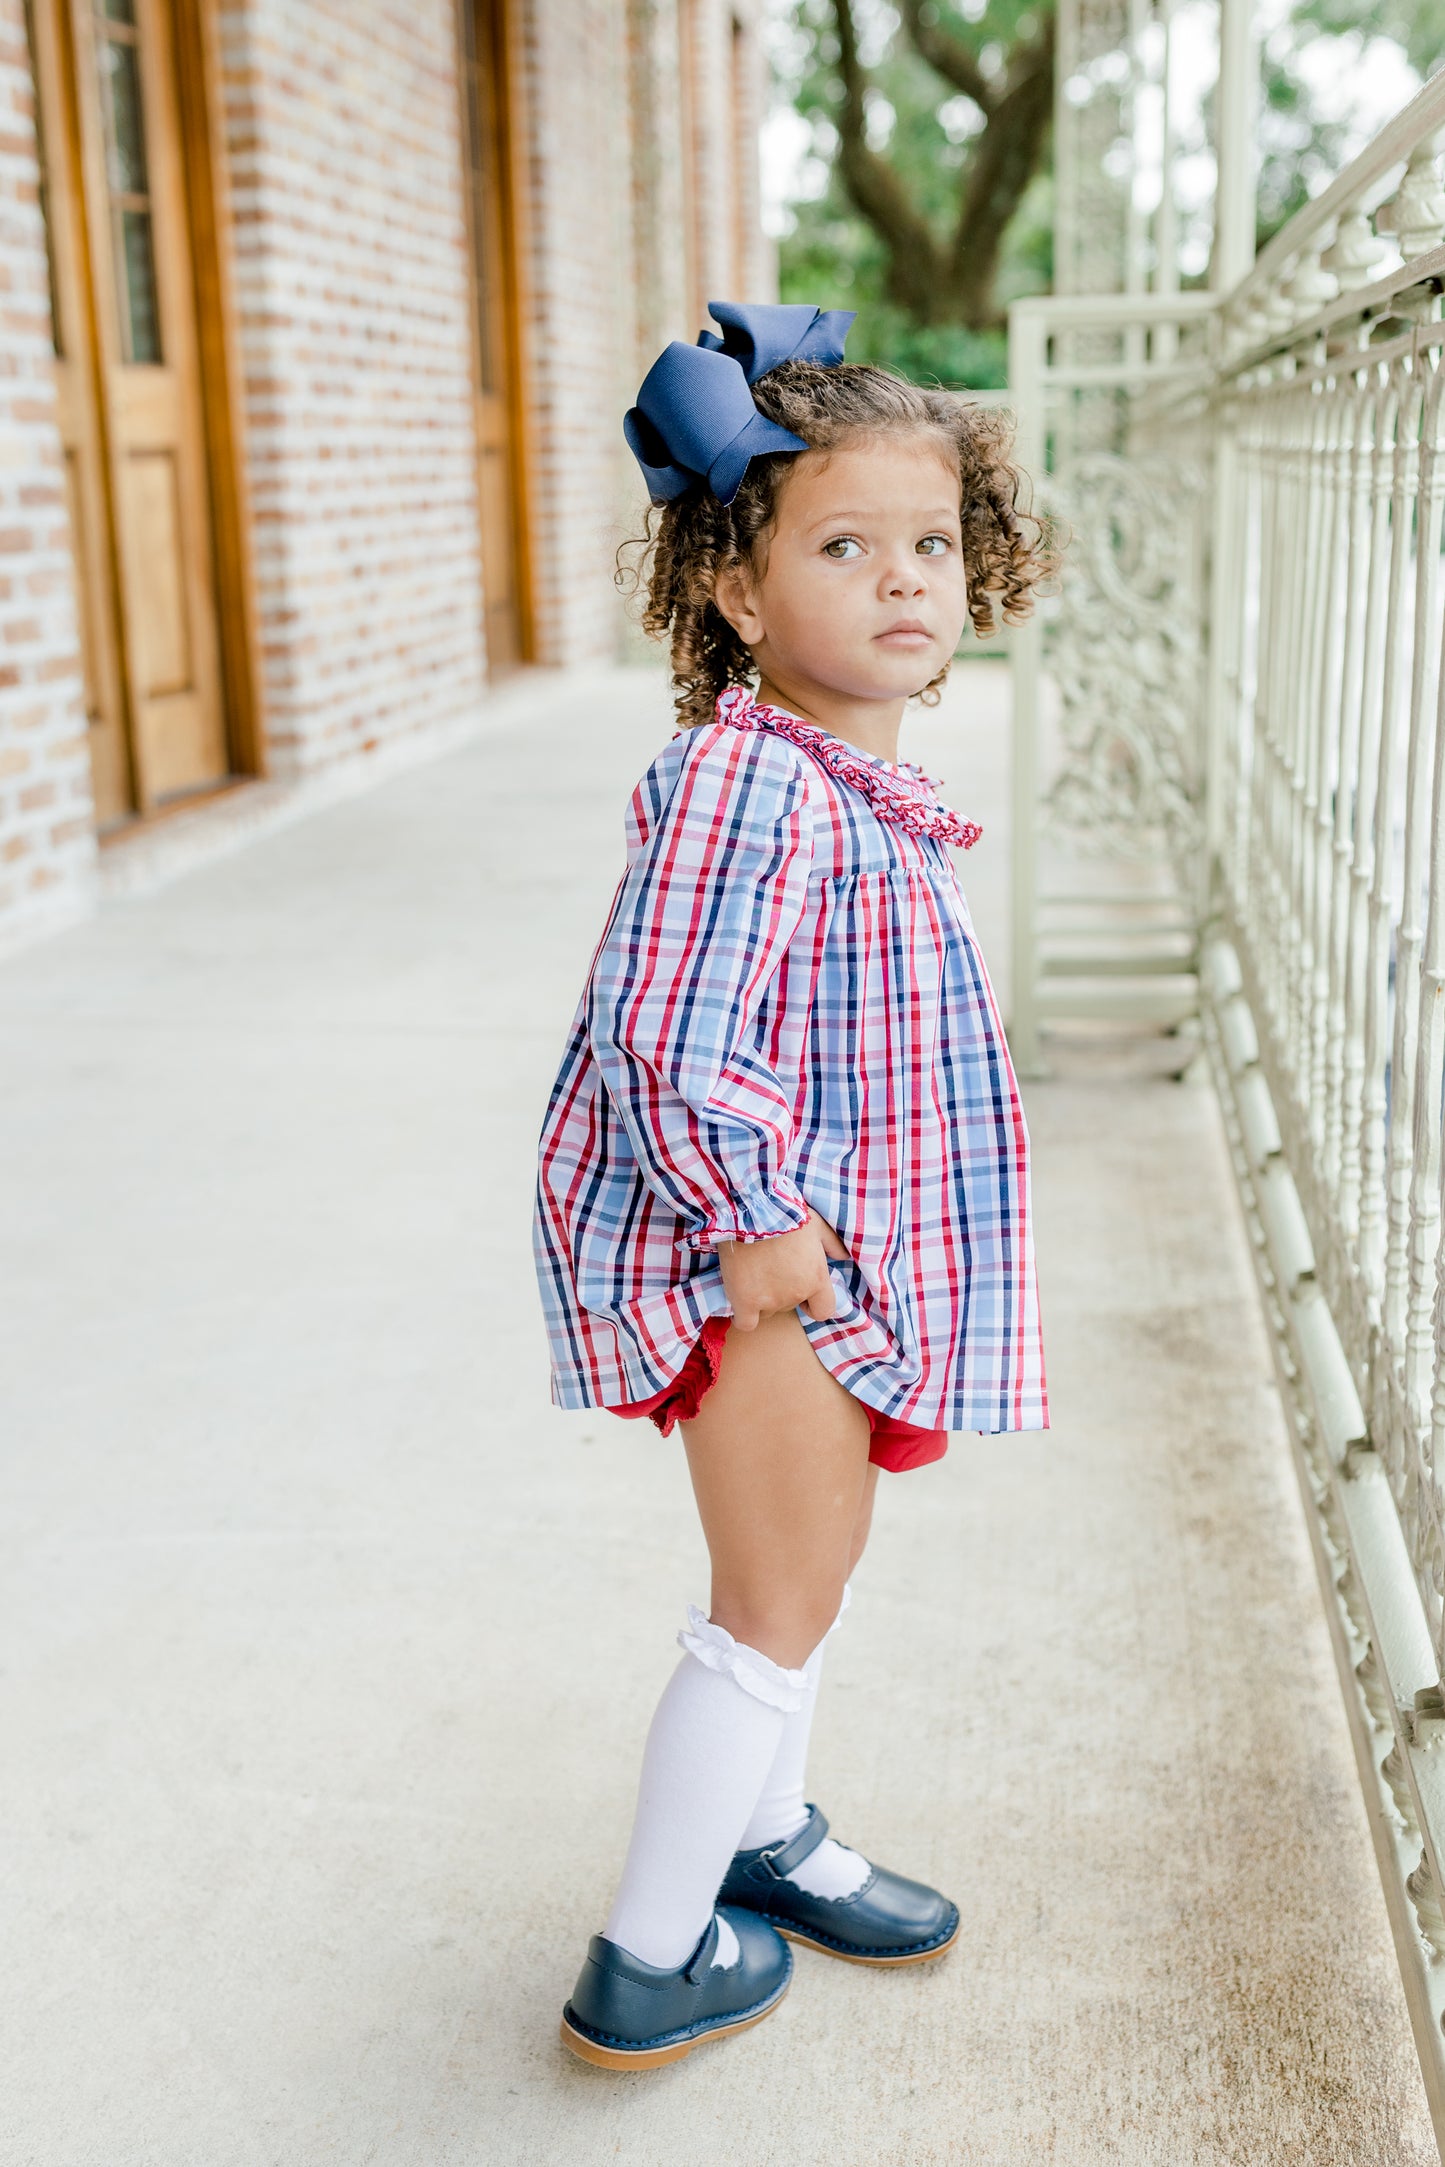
[713, 1739]
[782, 1808]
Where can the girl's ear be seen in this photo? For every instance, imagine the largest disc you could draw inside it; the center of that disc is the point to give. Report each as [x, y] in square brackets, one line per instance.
[735, 596]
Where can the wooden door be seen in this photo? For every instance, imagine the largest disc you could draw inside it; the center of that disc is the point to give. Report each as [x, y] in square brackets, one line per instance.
[130, 403]
[81, 427]
[492, 216]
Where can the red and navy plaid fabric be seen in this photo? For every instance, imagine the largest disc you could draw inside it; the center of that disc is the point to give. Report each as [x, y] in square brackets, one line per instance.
[788, 1003]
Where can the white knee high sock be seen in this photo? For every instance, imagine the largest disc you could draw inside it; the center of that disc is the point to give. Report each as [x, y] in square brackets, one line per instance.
[712, 1742]
[781, 1809]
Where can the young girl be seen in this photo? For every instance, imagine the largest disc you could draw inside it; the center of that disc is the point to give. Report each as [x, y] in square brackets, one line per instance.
[783, 1198]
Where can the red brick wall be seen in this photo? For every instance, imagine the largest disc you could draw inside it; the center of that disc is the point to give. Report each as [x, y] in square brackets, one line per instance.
[574, 100]
[627, 230]
[341, 123]
[47, 847]
[661, 245]
[342, 128]
[723, 102]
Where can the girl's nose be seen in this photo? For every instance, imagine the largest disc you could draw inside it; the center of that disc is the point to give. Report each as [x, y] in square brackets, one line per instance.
[904, 578]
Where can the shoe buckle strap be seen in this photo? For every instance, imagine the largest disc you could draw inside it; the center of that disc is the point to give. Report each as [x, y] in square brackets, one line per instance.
[700, 1962]
[781, 1858]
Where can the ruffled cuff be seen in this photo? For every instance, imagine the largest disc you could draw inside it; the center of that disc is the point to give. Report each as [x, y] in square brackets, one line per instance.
[755, 1672]
[782, 1214]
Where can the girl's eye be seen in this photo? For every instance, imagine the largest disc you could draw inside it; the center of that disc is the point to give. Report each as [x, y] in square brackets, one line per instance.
[843, 546]
[934, 545]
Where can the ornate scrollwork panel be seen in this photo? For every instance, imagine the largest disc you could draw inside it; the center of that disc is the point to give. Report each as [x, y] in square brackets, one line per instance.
[1126, 655]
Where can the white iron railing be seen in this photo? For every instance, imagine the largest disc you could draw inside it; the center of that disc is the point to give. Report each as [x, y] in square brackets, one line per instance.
[1239, 710]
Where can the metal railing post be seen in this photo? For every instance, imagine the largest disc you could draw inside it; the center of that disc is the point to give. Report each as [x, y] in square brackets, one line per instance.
[1026, 355]
[1223, 631]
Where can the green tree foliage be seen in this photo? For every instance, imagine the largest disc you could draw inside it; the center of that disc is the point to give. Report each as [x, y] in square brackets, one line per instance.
[930, 124]
[1300, 151]
[934, 121]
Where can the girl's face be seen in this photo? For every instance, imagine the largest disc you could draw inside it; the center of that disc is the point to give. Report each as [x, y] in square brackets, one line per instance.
[863, 594]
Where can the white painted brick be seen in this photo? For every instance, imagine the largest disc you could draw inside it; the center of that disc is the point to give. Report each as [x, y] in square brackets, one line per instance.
[47, 843]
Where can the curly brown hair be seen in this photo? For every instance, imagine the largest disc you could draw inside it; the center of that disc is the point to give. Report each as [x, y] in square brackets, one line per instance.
[688, 543]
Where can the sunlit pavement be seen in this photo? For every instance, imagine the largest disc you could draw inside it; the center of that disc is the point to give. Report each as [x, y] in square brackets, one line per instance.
[329, 1645]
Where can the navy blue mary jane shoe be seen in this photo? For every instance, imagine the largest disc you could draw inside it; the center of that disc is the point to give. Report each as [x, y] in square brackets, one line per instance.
[887, 1921]
[625, 2014]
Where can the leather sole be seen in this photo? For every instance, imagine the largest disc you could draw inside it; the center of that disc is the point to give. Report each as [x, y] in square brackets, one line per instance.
[851, 1956]
[589, 2050]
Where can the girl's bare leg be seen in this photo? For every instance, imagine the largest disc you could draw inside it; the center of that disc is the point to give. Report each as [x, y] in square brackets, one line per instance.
[864, 1520]
[778, 1454]
[779, 1461]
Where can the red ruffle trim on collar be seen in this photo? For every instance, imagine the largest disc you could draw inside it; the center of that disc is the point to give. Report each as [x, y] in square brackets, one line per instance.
[899, 792]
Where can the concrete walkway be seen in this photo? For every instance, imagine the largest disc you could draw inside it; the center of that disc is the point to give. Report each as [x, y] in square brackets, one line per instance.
[329, 1645]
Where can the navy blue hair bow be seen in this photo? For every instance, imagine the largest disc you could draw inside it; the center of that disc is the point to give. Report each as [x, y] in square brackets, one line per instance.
[695, 420]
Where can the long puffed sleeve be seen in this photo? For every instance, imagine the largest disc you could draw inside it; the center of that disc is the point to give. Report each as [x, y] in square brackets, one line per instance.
[716, 881]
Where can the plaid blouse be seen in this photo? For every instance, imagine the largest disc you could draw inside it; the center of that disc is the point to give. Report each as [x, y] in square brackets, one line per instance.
[788, 1003]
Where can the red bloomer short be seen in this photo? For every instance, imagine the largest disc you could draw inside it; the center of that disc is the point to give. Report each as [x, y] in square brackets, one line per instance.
[896, 1445]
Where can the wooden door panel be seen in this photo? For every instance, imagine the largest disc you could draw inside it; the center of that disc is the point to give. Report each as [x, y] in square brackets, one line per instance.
[135, 190]
[169, 731]
[81, 542]
[162, 663]
[178, 732]
[497, 519]
[130, 398]
[78, 410]
[109, 757]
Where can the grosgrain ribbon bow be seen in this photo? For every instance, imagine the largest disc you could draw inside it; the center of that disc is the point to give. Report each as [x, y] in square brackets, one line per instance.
[695, 420]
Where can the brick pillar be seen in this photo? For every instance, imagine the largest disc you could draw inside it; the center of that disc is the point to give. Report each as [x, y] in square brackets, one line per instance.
[623, 158]
[756, 258]
[342, 126]
[663, 302]
[722, 99]
[580, 330]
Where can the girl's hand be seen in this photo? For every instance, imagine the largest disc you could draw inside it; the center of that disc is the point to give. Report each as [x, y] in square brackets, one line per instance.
[787, 1271]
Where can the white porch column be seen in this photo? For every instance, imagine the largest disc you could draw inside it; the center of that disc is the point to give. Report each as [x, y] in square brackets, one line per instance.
[1235, 145]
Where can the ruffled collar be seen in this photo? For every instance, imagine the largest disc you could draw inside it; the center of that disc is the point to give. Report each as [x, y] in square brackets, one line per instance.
[898, 791]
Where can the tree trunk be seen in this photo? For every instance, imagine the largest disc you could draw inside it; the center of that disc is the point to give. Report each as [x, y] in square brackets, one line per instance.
[936, 281]
[1004, 162]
